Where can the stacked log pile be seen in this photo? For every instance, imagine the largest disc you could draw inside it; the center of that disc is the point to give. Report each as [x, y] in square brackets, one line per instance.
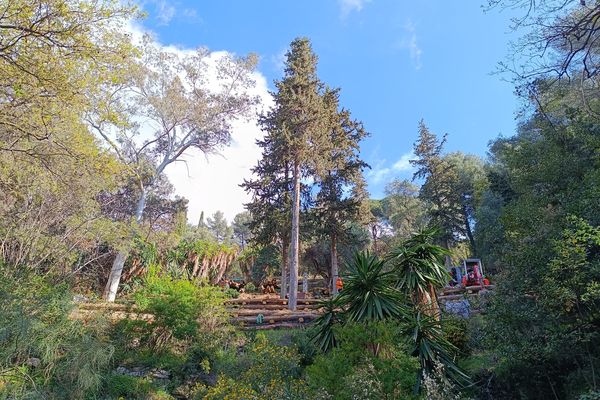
[270, 312]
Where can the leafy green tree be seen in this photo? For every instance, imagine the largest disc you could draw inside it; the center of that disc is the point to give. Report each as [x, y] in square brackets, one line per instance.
[218, 226]
[541, 179]
[241, 228]
[170, 90]
[402, 208]
[56, 59]
[470, 181]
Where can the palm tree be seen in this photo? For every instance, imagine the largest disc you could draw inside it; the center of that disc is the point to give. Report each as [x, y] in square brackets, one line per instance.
[419, 268]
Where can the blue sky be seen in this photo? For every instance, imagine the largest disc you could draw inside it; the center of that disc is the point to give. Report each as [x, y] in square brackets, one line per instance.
[395, 61]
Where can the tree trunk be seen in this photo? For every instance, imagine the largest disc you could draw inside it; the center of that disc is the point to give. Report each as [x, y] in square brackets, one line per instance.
[334, 264]
[295, 239]
[437, 314]
[110, 291]
[196, 266]
[469, 231]
[284, 268]
[374, 234]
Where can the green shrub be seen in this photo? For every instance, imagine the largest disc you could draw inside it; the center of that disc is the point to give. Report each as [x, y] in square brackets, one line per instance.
[250, 287]
[231, 293]
[262, 368]
[43, 352]
[227, 389]
[181, 310]
[129, 387]
[369, 363]
[456, 331]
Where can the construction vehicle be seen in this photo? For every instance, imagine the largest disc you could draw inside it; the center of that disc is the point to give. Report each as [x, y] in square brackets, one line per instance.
[472, 273]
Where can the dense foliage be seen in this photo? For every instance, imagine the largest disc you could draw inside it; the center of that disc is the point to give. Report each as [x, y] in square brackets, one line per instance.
[86, 211]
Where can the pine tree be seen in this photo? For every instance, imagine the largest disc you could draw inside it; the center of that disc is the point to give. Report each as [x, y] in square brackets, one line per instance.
[241, 228]
[219, 227]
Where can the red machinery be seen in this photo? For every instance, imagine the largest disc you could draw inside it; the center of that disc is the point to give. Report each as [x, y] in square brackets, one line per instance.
[473, 273]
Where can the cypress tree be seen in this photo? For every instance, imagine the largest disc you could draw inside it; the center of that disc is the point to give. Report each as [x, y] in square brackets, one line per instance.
[270, 207]
[298, 125]
[342, 196]
[445, 209]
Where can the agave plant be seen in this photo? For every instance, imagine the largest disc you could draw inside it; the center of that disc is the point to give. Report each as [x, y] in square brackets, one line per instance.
[419, 268]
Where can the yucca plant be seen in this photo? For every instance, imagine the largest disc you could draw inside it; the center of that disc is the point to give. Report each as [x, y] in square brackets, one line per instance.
[369, 292]
[331, 315]
[369, 295]
[431, 348]
[418, 266]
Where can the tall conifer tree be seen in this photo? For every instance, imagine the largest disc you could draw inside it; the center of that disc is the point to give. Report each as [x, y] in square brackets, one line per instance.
[298, 129]
[445, 209]
[342, 195]
[271, 188]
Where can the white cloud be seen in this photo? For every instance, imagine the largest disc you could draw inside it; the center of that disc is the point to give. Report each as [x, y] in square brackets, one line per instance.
[381, 172]
[212, 183]
[403, 164]
[348, 6]
[410, 43]
[165, 12]
[189, 13]
[278, 60]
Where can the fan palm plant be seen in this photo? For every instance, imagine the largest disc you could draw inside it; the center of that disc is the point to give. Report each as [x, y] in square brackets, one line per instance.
[419, 268]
